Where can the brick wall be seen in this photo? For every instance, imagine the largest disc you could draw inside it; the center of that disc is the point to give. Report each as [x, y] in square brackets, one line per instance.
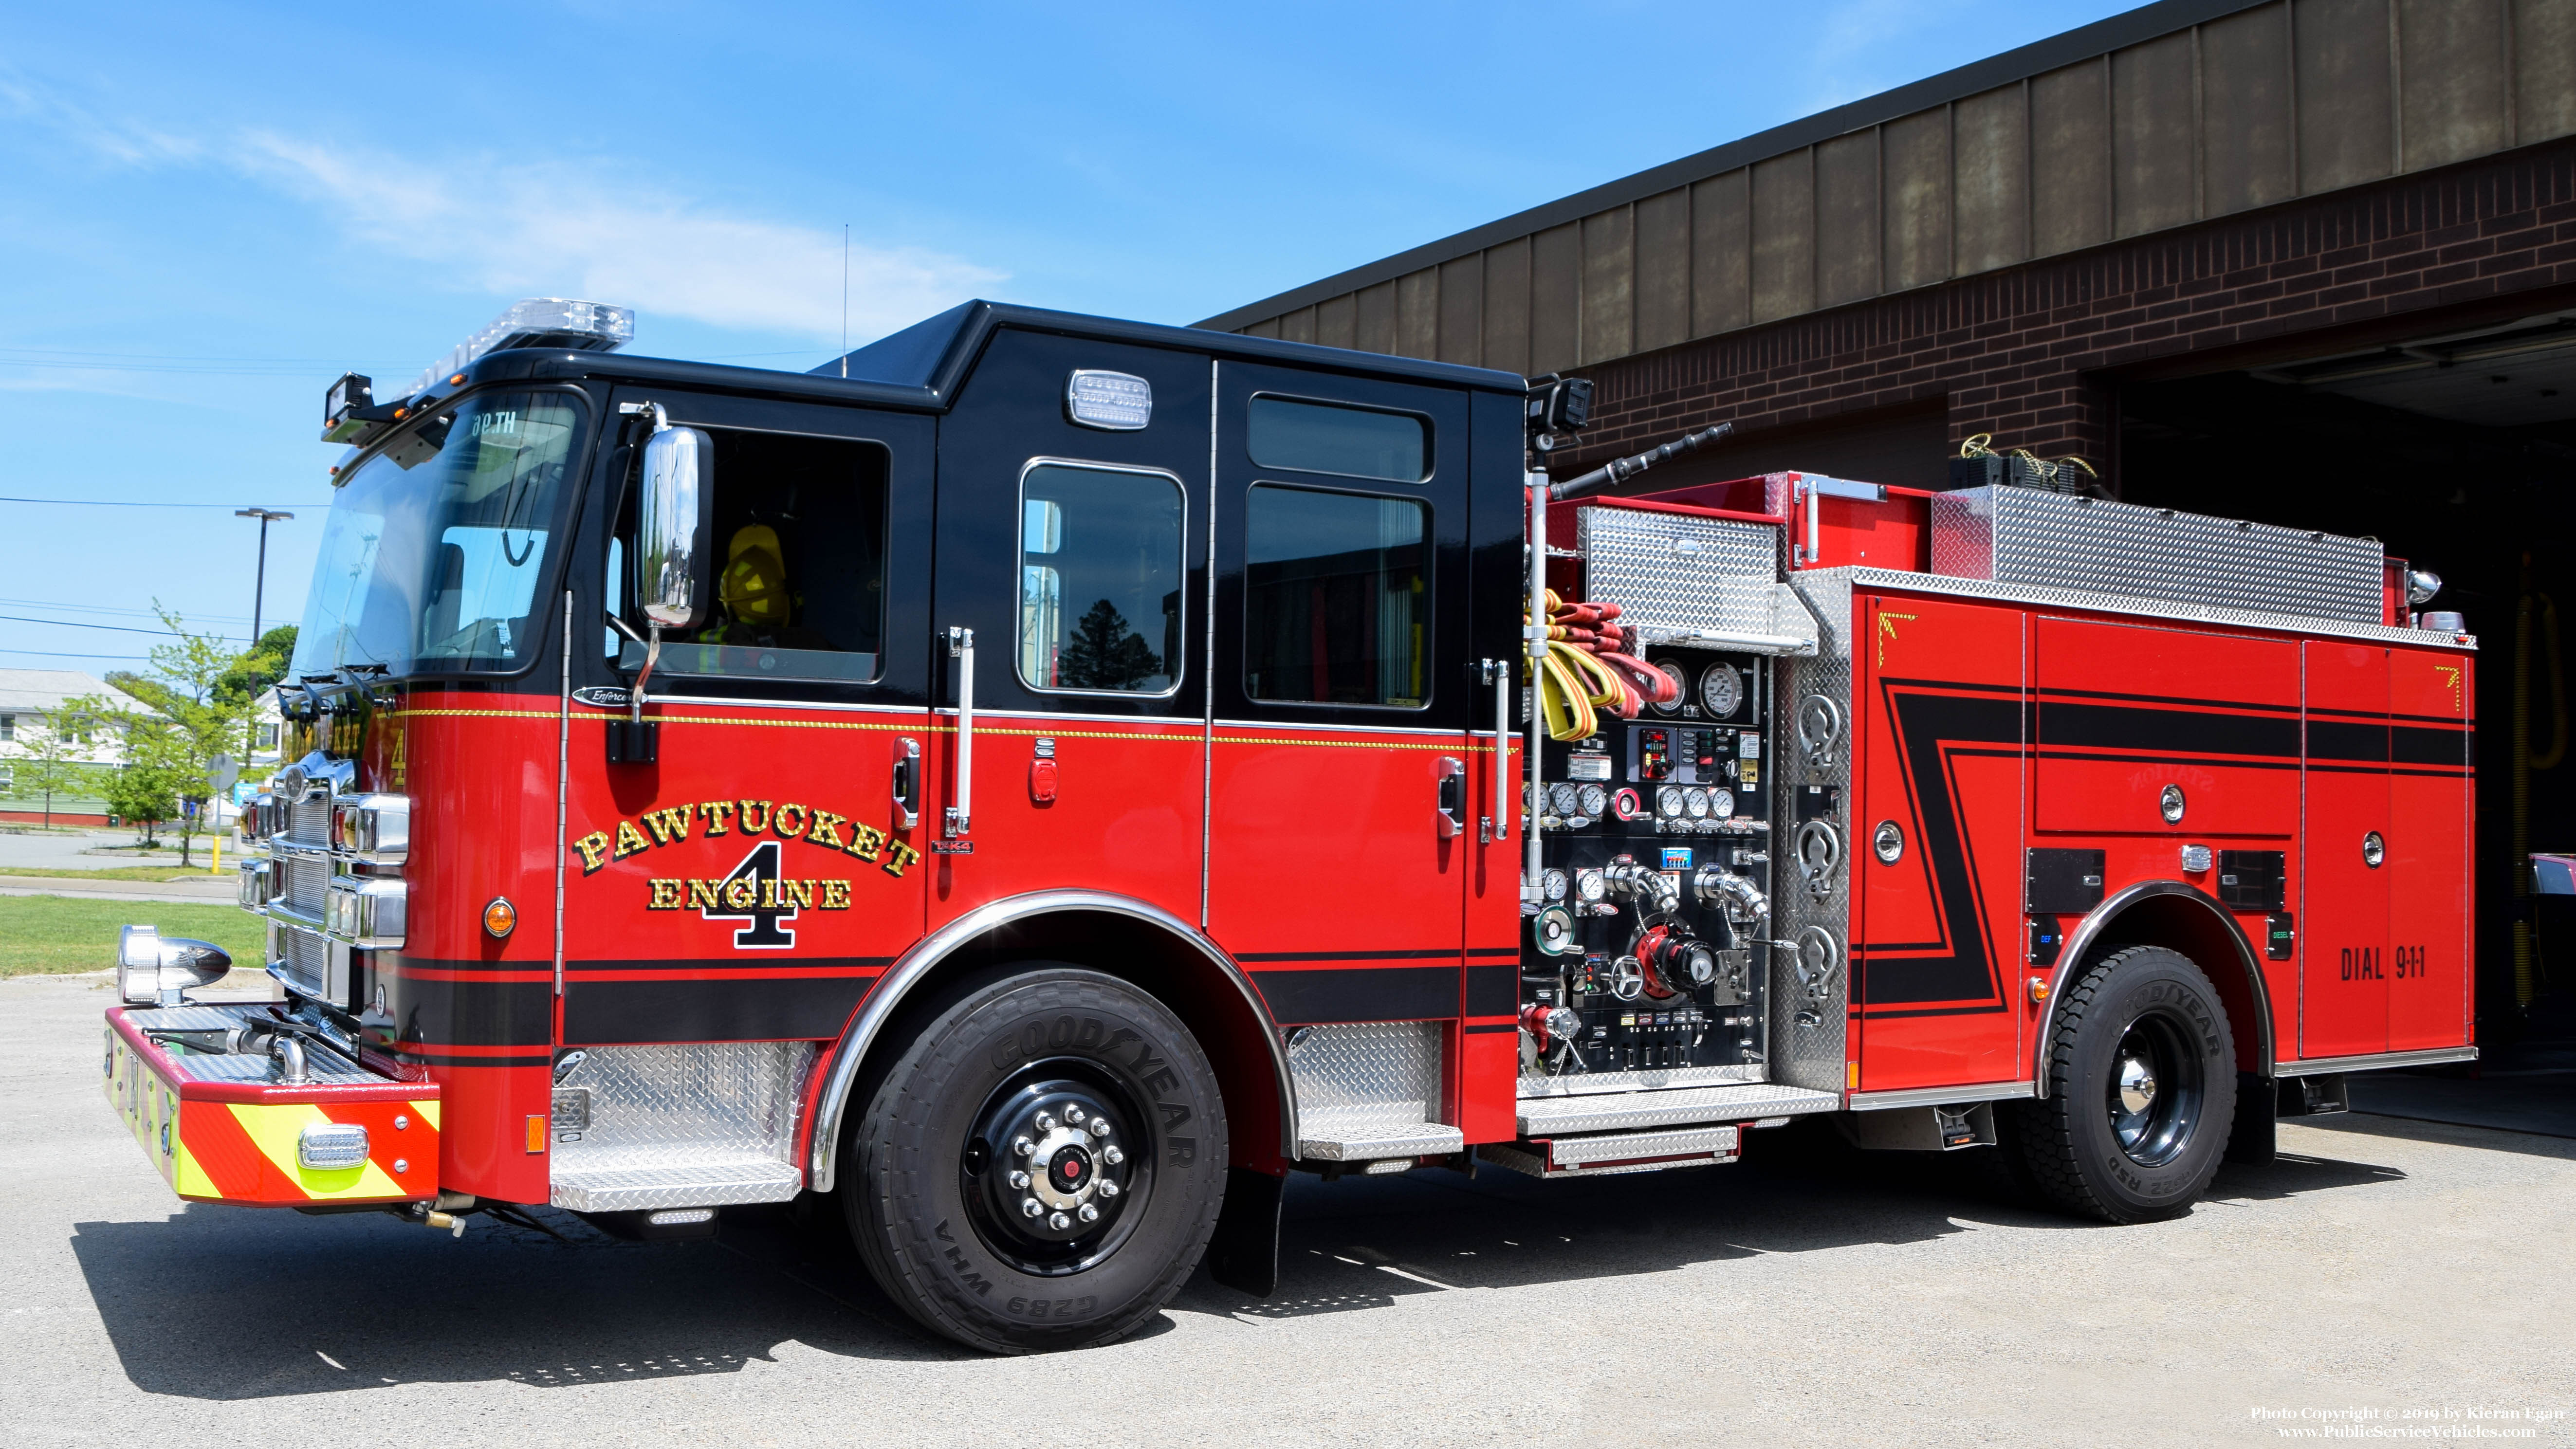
[2024, 353]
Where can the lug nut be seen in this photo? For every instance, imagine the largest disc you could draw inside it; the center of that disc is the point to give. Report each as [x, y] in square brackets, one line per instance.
[1108, 1188]
[1024, 1147]
[1099, 1126]
[1029, 1207]
[1073, 1115]
[1059, 1222]
[1087, 1213]
[1046, 1121]
[1019, 1179]
[1112, 1155]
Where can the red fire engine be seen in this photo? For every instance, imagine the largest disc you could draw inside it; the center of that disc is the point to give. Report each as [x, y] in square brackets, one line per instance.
[1043, 779]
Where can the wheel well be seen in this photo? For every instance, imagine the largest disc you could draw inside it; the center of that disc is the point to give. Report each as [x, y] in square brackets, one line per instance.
[2184, 919]
[1222, 1012]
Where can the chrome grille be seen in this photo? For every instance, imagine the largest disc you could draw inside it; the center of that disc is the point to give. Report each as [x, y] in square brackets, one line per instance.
[308, 879]
[308, 822]
[304, 959]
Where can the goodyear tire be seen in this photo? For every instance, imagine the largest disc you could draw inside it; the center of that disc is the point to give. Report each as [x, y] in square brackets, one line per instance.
[1041, 1165]
[2142, 1092]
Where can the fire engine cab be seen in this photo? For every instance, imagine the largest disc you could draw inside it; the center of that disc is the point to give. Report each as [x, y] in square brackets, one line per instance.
[1040, 780]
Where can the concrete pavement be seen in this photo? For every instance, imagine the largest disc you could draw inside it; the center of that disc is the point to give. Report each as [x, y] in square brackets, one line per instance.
[1806, 1296]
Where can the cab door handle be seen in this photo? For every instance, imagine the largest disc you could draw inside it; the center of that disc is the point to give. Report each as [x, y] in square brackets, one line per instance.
[1453, 797]
[907, 783]
[961, 816]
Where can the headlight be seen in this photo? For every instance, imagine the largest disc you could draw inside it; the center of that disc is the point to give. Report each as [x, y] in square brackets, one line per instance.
[365, 911]
[372, 828]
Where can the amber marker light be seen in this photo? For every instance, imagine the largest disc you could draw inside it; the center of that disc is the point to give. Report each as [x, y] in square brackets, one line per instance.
[458, 378]
[500, 918]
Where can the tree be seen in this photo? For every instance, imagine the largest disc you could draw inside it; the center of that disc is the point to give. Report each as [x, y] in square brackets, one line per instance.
[253, 674]
[144, 791]
[1105, 654]
[196, 723]
[54, 757]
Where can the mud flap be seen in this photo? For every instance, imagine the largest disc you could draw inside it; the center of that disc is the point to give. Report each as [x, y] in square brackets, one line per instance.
[2251, 1140]
[1243, 1254]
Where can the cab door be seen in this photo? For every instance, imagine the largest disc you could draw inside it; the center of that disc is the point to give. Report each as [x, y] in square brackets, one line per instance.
[1348, 812]
[1071, 591]
[755, 876]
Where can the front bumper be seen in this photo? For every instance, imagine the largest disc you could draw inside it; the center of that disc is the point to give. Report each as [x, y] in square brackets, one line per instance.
[219, 1129]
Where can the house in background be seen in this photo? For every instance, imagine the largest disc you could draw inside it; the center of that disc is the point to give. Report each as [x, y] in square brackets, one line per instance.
[29, 701]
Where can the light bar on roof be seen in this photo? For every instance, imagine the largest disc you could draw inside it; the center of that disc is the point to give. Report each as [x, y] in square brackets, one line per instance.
[537, 322]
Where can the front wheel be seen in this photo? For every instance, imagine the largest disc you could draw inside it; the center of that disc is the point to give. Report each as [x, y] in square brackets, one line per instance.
[1042, 1165]
[2142, 1092]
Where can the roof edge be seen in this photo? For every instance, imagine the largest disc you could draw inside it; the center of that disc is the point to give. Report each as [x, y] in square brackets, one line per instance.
[2115, 32]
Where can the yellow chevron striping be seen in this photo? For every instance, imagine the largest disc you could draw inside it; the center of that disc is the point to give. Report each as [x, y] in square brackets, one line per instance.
[428, 1113]
[274, 1131]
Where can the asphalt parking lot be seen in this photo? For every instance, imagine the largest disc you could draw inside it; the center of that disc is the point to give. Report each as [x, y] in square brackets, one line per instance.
[1805, 1296]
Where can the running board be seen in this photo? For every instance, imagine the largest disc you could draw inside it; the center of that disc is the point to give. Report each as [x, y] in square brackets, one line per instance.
[1603, 1154]
[1672, 1107]
[1381, 1141]
[697, 1184]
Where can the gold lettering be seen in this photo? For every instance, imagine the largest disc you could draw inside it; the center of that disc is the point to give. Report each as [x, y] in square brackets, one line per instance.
[825, 831]
[630, 841]
[665, 897]
[836, 895]
[740, 893]
[769, 894]
[716, 811]
[702, 894]
[787, 831]
[594, 851]
[866, 840]
[899, 855]
[755, 816]
[799, 893]
[669, 825]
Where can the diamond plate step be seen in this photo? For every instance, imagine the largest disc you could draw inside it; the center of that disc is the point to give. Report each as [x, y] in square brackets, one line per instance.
[1545, 1117]
[1378, 1141]
[698, 1184]
[1615, 1152]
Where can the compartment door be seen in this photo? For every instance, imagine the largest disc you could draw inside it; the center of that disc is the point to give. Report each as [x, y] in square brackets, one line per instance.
[2343, 918]
[2429, 851]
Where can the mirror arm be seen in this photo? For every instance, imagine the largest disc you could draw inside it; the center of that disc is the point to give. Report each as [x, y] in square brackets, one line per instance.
[652, 656]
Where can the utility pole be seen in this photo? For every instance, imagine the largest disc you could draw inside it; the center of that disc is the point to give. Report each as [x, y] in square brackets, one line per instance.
[258, 597]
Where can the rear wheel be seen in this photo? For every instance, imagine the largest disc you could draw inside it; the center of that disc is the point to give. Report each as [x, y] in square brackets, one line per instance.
[2142, 1092]
[1042, 1164]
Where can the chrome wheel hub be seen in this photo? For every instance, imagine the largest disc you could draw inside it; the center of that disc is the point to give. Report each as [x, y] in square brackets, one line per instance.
[2137, 1086]
[1048, 1174]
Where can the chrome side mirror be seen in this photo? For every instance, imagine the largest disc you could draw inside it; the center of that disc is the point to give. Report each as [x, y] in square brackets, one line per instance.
[670, 522]
[153, 972]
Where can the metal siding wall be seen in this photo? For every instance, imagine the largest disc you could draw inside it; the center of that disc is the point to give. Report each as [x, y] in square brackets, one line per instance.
[2070, 155]
[2451, 93]
[1915, 204]
[1462, 310]
[2153, 185]
[1990, 177]
[2250, 109]
[1784, 236]
[1663, 270]
[1609, 285]
[1721, 253]
[2343, 92]
[1847, 226]
[2246, 151]
[1507, 307]
[1417, 314]
[1556, 295]
[2544, 69]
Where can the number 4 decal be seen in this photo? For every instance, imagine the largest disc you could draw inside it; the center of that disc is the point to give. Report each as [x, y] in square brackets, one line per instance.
[751, 894]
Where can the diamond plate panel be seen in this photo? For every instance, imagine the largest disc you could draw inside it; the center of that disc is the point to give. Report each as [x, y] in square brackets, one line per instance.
[643, 1189]
[1675, 1108]
[1672, 572]
[1418, 1139]
[1593, 1084]
[718, 1117]
[1628, 1146]
[1807, 1042]
[2091, 545]
[1366, 1082]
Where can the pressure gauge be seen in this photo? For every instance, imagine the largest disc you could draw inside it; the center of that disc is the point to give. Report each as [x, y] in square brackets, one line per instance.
[1721, 804]
[1721, 690]
[1553, 883]
[1695, 803]
[1681, 686]
[1594, 800]
[1668, 802]
[1561, 798]
[1589, 885]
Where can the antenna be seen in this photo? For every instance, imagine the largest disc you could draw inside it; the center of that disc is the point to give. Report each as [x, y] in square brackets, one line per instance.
[845, 299]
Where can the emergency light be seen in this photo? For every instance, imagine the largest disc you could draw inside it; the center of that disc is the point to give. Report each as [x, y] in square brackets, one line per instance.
[350, 413]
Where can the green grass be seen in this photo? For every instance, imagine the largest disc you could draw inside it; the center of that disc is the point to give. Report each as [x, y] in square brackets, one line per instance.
[159, 874]
[52, 935]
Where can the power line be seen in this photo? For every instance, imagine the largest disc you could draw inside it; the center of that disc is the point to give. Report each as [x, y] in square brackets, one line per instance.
[67, 654]
[122, 503]
[110, 609]
[117, 628]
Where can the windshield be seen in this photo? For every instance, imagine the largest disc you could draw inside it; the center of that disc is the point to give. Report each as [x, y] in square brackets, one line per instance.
[434, 549]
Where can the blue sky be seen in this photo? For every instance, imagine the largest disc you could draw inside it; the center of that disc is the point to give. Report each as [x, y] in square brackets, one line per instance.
[207, 212]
